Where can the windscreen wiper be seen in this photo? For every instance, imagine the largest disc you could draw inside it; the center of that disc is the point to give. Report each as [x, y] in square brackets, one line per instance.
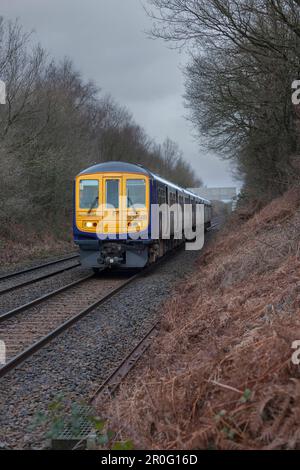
[131, 204]
[93, 205]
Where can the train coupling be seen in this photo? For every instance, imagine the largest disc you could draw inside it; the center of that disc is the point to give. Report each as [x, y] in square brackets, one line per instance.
[112, 261]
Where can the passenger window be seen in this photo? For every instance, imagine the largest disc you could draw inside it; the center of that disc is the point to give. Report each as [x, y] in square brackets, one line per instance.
[88, 194]
[112, 193]
[136, 193]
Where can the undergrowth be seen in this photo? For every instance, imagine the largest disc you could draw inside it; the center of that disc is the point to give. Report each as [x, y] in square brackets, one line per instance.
[220, 375]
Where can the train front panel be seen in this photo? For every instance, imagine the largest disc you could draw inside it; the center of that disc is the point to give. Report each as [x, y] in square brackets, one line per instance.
[112, 213]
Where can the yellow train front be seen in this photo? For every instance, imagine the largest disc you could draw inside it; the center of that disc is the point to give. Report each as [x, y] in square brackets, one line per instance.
[112, 214]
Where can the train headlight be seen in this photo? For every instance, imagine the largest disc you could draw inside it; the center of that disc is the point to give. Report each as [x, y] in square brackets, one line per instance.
[89, 224]
[134, 226]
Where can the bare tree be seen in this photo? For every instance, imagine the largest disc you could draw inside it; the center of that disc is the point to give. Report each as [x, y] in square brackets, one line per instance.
[54, 125]
[244, 56]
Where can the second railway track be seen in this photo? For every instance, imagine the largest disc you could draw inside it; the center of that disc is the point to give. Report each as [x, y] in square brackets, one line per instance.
[25, 277]
[102, 349]
[31, 326]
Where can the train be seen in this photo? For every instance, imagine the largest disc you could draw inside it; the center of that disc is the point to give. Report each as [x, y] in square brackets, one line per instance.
[112, 215]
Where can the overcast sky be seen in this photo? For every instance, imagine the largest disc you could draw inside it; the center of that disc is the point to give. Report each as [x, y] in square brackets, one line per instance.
[106, 39]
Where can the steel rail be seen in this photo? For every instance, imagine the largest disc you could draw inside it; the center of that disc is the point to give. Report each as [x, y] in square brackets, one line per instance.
[24, 307]
[27, 270]
[111, 384]
[37, 279]
[12, 363]
[57, 331]
[126, 365]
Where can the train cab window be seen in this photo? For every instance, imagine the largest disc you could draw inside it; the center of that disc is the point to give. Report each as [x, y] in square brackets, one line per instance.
[112, 193]
[88, 194]
[136, 193]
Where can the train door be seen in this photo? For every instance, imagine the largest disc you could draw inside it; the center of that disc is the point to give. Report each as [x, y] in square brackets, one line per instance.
[111, 197]
[137, 203]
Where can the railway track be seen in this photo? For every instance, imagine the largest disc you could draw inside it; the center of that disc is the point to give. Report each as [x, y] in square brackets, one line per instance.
[108, 388]
[6, 279]
[78, 440]
[32, 326]
[213, 227]
[8, 284]
[215, 224]
[29, 327]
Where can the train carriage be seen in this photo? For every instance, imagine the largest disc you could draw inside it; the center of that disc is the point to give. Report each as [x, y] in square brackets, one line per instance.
[112, 214]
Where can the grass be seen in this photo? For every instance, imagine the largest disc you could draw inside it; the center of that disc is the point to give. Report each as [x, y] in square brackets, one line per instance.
[24, 244]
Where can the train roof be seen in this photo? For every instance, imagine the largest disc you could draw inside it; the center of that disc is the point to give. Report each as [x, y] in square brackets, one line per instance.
[119, 167]
[207, 201]
[108, 167]
[168, 183]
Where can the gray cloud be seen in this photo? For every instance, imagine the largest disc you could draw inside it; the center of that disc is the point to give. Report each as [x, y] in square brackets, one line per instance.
[106, 40]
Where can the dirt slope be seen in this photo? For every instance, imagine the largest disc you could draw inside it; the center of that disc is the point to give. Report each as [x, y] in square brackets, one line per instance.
[220, 374]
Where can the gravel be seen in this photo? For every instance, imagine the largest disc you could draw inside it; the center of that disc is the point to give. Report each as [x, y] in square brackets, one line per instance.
[76, 362]
[23, 295]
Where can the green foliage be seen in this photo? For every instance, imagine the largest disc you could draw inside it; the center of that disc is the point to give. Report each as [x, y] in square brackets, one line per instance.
[97, 423]
[246, 396]
[220, 415]
[127, 445]
[223, 420]
[229, 433]
[65, 415]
